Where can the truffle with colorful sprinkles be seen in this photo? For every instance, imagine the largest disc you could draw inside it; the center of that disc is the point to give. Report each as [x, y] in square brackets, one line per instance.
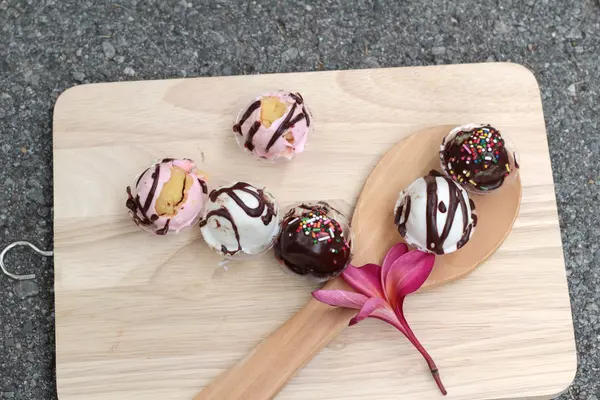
[476, 156]
[312, 241]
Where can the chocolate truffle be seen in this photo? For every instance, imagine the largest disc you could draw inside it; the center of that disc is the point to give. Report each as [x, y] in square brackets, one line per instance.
[313, 241]
[477, 157]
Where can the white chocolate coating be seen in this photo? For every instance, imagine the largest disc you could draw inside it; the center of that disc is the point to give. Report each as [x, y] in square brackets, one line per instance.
[240, 219]
[423, 211]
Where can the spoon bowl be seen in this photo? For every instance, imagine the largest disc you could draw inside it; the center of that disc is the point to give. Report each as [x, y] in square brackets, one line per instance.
[372, 222]
[267, 368]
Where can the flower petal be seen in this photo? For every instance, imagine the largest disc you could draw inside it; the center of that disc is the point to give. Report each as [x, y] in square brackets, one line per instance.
[341, 298]
[390, 318]
[393, 254]
[368, 308]
[407, 274]
[397, 251]
[365, 280]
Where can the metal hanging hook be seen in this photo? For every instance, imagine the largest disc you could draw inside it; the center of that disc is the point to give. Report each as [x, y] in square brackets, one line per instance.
[21, 243]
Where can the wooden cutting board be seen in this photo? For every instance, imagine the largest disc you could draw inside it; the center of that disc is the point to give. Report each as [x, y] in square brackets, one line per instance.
[155, 318]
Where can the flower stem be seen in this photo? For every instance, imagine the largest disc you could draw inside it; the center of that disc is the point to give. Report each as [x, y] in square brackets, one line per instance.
[413, 339]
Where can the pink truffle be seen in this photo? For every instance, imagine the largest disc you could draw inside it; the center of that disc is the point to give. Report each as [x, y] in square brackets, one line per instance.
[275, 126]
[168, 196]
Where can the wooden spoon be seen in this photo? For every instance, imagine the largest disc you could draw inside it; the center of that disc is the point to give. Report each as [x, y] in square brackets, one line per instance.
[267, 368]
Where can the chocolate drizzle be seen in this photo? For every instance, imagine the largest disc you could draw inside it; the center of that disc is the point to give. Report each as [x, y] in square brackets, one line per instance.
[253, 107]
[137, 183]
[442, 207]
[435, 240]
[465, 237]
[259, 195]
[398, 214]
[289, 122]
[282, 127]
[250, 138]
[473, 213]
[152, 191]
[286, 124]
[203, 184]
[297, 97]
[224, 213]
[306, 116]
[165, 229]
[402, 222]
[139, 212]
[300, 100]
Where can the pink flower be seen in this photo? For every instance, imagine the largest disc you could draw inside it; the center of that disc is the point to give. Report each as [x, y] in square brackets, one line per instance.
[381, 291]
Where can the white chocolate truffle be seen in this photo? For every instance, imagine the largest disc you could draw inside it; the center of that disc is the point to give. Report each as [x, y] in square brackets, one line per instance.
[240, 219]
[435, 214]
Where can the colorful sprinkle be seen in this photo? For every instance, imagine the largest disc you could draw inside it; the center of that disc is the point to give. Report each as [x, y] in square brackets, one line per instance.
[319, 226]
[480, 146]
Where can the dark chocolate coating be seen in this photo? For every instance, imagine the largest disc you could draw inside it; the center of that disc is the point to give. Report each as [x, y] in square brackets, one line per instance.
[473, 161]
[304, 254]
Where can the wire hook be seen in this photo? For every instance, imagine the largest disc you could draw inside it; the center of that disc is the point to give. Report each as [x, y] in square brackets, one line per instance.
[21, 243]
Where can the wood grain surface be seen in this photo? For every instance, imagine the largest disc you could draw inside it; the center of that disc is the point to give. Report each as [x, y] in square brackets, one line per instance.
[267, 368]
[143, 317]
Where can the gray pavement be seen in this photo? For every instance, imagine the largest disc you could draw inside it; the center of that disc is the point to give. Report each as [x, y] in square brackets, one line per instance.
[47, 46]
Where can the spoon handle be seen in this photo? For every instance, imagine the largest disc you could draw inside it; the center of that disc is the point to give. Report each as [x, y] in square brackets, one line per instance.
[269, 366]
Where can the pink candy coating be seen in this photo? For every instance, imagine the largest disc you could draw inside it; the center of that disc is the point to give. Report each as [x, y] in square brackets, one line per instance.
[269, 143]
[143, 195]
